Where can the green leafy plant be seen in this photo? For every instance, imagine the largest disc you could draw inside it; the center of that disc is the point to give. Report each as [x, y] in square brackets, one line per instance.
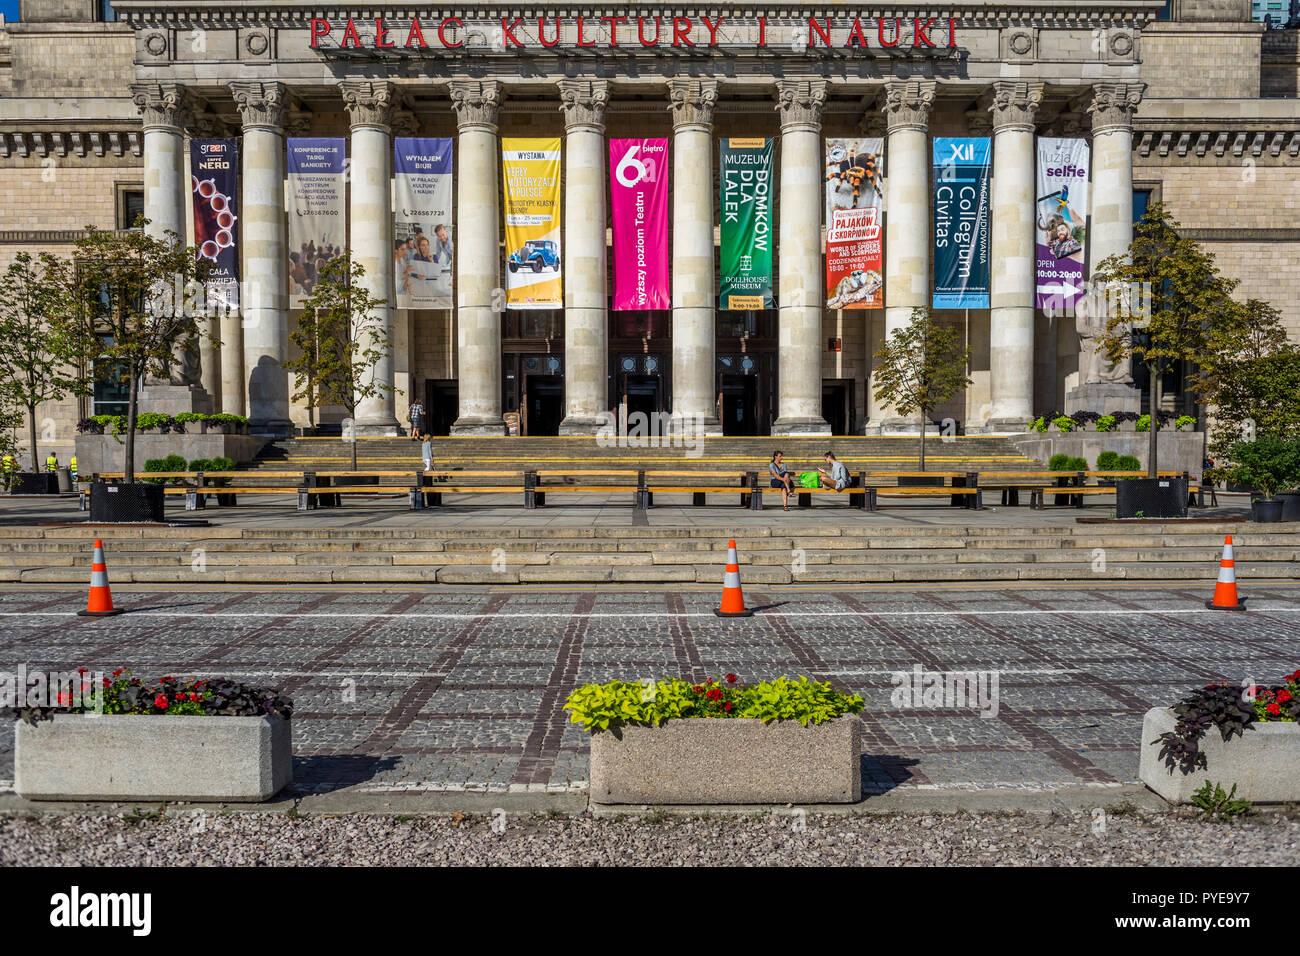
[919, 367]
[1077, 464]
[608, 707]
[1063, 423]
[1106, 461]
[1105, 423]
[1213, 801]
[1184, 422]
[1058, 462]
[1143, 424]
[1128, 463]
[1231, 709]
[1269, 464]
[1039, 425]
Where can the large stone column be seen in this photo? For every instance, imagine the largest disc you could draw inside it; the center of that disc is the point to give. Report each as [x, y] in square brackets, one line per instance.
[478, 323]
[799, 295]
[1103, 386]
[1011, 319]
[163, 107]
[586, 318]
[907, 105]
[693, 292]
[370, 214]
[265, 294]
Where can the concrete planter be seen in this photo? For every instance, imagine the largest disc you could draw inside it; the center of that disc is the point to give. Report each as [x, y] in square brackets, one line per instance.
[1262, 762]
[97, 454]
[704, 761]
[87, 757]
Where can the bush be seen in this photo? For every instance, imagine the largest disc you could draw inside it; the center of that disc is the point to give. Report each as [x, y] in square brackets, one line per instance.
[151, 420]
[1039, 424]
[1143, 423]
[89, 426]
[1107, 460]
[609, 706]
[1106, 423]
[1127, 463]
[1184, 422]
[1059, 462]
[200, 464]
[1268, 465]
[1077, 464]
[1064, 423]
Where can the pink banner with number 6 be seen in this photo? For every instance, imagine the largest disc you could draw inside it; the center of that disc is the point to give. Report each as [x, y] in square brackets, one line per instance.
[638, 183]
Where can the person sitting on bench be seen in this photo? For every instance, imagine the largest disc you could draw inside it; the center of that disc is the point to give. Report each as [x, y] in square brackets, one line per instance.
[838, 477]
[781, 478]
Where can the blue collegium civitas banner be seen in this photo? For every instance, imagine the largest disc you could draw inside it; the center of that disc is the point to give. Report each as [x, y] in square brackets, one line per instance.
[961, 223]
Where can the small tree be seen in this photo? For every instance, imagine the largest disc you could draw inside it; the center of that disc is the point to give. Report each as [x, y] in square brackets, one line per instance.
[340, 341]
[133, 298]
[1166, 302]
[919, 368]
[38, 358]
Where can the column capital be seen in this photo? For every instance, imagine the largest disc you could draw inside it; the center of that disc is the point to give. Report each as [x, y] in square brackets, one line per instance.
[262, 105]
[1014, 104]
[163, 105]
[1113, 105]
[907, 104]
[800, 104]
[583, 103]
[692, 103]
[476, 103]
[369, 103]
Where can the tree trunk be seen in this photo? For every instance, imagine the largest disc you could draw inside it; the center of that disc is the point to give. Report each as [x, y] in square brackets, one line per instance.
[923, 417]
[31, 426]
[128, 470]
[354, 445]
[1155, 378]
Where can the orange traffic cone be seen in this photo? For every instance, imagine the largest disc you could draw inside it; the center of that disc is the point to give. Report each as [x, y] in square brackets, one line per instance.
[100, 603]
[733, 599]
[1225, 591]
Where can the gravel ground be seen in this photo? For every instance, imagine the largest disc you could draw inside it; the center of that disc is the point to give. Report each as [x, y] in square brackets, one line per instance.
[1126, 837]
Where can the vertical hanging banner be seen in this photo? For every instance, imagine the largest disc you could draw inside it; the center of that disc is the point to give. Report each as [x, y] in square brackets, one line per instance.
[214, 182]
[422, 233]
[1061, 230]
[531, 169]
[854, 244]
[961, 223]
[318, 218]
[745, 185]
[638, 186]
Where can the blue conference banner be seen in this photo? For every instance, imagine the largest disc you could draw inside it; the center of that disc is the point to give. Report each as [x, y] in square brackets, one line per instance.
[961, 222]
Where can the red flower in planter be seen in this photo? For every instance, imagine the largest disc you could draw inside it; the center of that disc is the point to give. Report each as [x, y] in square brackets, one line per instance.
[194, 698]
[714, 694]
[1273, 710]
[161, 702]
[698, 689]
[731, 678]
[118, 672]
[167, 680]
[107, 682]
[727, 706]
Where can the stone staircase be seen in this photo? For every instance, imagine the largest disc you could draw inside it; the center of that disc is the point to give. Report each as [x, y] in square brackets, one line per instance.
[886, 453]
[653, 556]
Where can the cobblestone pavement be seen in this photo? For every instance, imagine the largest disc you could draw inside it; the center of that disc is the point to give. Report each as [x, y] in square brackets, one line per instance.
[462, 690]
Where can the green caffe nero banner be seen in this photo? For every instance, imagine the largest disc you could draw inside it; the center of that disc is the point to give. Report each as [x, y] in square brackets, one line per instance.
[961, 223]
[746, 216]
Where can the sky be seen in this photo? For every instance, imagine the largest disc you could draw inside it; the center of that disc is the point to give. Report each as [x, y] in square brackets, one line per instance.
[9, 8]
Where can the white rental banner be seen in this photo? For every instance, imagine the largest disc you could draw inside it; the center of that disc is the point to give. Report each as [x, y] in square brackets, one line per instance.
[422, 228]
[318, 215]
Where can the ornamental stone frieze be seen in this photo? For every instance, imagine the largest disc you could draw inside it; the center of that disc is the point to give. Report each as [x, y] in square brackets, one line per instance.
[1013, 104]
[800, 104]
[1113, 105]
[78, 143]
[261, 104]
[583, 103]
[907, 104]
[162, 105]
[368, 102]
[476, 102]
[1220, 143]
[692, 102]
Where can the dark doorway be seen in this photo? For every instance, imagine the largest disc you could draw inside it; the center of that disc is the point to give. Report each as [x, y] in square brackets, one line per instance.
[543, 404]
[441, 405]
[837, 405]
[643, 394]
[739, 405]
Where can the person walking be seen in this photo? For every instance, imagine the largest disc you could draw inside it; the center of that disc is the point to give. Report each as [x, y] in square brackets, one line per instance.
[426, 452]
[9, 465]
[72, 467]
[780, 477]
[417, 419]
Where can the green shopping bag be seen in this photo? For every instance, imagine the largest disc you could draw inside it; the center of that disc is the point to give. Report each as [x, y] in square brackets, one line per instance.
[808, 479]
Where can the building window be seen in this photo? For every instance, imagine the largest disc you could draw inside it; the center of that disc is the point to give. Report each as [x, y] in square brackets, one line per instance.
[106, 12]
[1141, 199]
[112, 389]
[130, 205]
[1275, 13]
[1166, 12]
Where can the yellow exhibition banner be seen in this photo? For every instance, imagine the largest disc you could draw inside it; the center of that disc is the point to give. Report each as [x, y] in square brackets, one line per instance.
[531, 172]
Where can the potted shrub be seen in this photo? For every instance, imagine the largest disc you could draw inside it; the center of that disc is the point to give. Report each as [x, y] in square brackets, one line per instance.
[215, 480]
[1184, 423]
[1230, 734]
[1267, 465]
[1106, 423]
[189, 418]
[720, 741]
[123, 738]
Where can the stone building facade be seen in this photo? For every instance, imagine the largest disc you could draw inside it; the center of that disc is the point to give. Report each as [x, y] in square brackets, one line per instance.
[1198, 110]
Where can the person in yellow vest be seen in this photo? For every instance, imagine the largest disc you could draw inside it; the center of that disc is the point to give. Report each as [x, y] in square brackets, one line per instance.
[7, 464]
[72, 467]
[52, 463]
